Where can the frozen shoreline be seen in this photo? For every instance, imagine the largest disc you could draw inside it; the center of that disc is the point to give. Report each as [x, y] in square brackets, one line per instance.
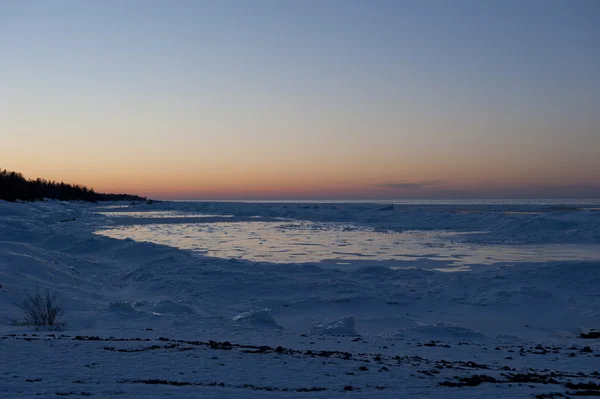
[121, 287]
[508, 223]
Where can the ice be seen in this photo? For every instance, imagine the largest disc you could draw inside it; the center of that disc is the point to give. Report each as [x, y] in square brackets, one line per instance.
[166, 306]
[257, 318]
[342, 326]
[122, 307]
[336, 242]
[442, 331]
[182, 299]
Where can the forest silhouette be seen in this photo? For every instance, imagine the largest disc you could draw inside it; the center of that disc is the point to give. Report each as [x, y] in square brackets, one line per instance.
[15, 187]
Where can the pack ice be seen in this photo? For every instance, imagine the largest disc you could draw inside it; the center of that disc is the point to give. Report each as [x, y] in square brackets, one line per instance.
[148, 314]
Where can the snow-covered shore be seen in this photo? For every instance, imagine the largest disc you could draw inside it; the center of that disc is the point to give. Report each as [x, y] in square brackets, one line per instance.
[372, 316]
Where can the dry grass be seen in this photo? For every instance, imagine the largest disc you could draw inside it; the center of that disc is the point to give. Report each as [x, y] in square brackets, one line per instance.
[41, 310]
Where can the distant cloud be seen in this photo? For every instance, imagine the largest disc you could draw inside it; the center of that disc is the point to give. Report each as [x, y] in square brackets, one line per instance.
[411, 185]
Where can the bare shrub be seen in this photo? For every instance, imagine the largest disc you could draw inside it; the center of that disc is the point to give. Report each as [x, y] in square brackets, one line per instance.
[41, 310]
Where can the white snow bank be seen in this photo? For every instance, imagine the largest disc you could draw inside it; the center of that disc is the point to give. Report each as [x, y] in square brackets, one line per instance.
[166, 306]
[257, 318]
[48, 212]
[162, 307]
[442, 331]
[530, 301]
[343, 326]
[375, 271]
[122, 307]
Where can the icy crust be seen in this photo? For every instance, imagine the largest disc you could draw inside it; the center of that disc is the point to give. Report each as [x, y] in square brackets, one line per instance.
[260, 318]
[342, 326]
[444, 331]
[157, 366]
[518, 224]
[111, 281]
[129, 290]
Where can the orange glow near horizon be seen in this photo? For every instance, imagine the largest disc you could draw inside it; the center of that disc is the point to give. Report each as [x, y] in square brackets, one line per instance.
[199, 100]
[276, 183]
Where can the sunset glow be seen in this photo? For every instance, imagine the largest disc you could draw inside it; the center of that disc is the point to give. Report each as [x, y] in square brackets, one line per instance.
[304, 100]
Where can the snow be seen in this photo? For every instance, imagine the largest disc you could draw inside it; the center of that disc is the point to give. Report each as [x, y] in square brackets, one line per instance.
[260, 318]
[175, 322]
[342, 326]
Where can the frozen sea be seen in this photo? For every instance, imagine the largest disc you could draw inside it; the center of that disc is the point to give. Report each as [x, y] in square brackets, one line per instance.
[348, 235]
[320, 299]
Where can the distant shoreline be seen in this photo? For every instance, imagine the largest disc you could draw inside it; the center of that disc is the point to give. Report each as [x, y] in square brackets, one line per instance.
[538, 201]
[16, 187]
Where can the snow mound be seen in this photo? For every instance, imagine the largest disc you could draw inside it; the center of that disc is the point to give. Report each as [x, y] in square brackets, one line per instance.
[257, 318]
[445, 331]
[343, 326]
[169, 307]
[375, 271]
[121, 307]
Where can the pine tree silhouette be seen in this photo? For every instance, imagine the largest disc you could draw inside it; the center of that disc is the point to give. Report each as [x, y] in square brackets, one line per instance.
[15, 187]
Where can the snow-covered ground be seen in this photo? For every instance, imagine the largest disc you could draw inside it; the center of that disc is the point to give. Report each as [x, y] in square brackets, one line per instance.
[151, 320]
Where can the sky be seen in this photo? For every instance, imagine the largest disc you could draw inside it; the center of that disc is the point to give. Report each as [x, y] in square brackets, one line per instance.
[305, 99]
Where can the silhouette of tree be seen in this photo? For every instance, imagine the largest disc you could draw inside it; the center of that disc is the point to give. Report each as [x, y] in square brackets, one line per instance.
[15, 187]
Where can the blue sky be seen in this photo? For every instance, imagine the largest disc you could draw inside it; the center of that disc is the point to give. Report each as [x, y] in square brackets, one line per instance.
[274, 99]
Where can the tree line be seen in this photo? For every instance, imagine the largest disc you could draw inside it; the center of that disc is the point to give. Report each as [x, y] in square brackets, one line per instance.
[15, 187]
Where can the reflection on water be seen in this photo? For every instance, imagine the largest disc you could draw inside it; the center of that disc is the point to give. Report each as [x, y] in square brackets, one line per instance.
[338, 243]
